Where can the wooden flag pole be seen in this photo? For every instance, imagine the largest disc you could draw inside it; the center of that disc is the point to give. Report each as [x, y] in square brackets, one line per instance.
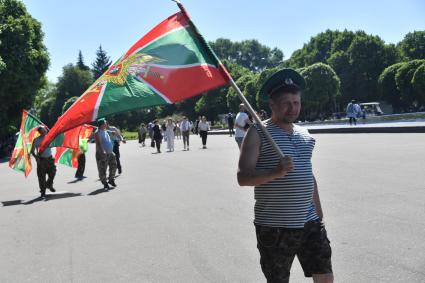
[231, 81]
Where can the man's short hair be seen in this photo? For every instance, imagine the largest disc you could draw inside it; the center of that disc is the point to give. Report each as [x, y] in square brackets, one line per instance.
[40, 128]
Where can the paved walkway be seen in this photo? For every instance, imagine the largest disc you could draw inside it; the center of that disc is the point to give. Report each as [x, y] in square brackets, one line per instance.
[181, 217]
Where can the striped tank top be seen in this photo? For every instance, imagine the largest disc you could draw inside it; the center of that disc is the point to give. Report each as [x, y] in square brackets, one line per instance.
[286, 201]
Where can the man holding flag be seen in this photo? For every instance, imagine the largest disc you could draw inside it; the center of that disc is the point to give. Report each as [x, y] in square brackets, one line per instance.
[104, 154]
[288, 213]
[45, 163]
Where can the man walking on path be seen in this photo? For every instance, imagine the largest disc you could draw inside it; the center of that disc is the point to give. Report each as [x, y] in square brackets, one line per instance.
[353, 110]
[242, 119]
[45, 163]
[104, 154]
[185, 127]
[142, 134]
[230, 124]
[288, 214]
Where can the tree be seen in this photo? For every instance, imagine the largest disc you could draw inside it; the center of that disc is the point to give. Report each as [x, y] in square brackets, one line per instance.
[247, 53]
[357, 58]
[214, 102]
[101, 63]
[262, 102]
[23, 64]
[403, 78]
[388, 87]
[413, 45]
[47, 91]
[418, 82]
[322, 88]
[45, 111]
[80, 62]
[2, 65]
[368, 57]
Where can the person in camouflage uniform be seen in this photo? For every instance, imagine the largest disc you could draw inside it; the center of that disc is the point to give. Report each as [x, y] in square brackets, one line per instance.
[45, 163]
[104, 155]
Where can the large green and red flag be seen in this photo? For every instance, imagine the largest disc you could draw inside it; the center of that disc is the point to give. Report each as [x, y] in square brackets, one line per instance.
[67, 156]
[21, 159]
[67, 153]
[72, 138]
[170, 63]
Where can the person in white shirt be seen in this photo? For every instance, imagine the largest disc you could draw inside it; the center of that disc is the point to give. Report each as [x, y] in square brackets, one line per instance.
[185, 127]
[353, 110]
[242, 119]
[203, 128]
[169, 133]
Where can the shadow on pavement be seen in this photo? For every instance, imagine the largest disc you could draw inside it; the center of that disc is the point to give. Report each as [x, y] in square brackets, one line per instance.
[77, 180]
[12, 202]
[53, 197]
[48, 198]
[99, 191]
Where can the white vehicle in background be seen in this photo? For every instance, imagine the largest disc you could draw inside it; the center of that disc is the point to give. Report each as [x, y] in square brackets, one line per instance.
[370, 109]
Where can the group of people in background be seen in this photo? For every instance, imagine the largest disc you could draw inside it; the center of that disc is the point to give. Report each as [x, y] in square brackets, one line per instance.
[171, 130]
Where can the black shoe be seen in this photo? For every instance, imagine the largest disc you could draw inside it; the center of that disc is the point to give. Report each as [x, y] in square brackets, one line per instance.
[112, 183]
[52, 189]
[106, 186]
[43, 195]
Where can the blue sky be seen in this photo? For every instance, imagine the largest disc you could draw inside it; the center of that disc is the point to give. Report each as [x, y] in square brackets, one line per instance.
[75, 25]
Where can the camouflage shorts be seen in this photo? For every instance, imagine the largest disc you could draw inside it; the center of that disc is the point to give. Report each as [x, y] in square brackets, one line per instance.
[279, 246]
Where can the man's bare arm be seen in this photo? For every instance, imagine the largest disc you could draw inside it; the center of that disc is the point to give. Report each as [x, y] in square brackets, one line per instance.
[98, 143]
[316, 199]
[33, 151]
[247, 174]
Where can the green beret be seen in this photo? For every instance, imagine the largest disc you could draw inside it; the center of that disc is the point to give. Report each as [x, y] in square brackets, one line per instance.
[280, 78]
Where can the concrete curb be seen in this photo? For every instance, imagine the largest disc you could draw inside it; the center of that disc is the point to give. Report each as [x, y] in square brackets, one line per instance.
[352, 130]
[369, 130]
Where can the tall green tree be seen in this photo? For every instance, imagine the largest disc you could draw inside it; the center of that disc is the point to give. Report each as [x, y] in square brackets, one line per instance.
[418, 82]
[404, 77]
[2, 64]
[388, 89]
[101, 63]
[357, 58]
[262, 102]
[250, 54]
[215, 102]
[413, 45]
[24, 62]
[322, 89]
[80, 62]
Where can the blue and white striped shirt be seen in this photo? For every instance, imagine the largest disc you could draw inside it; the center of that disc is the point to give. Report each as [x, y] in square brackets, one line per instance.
[286, 201]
